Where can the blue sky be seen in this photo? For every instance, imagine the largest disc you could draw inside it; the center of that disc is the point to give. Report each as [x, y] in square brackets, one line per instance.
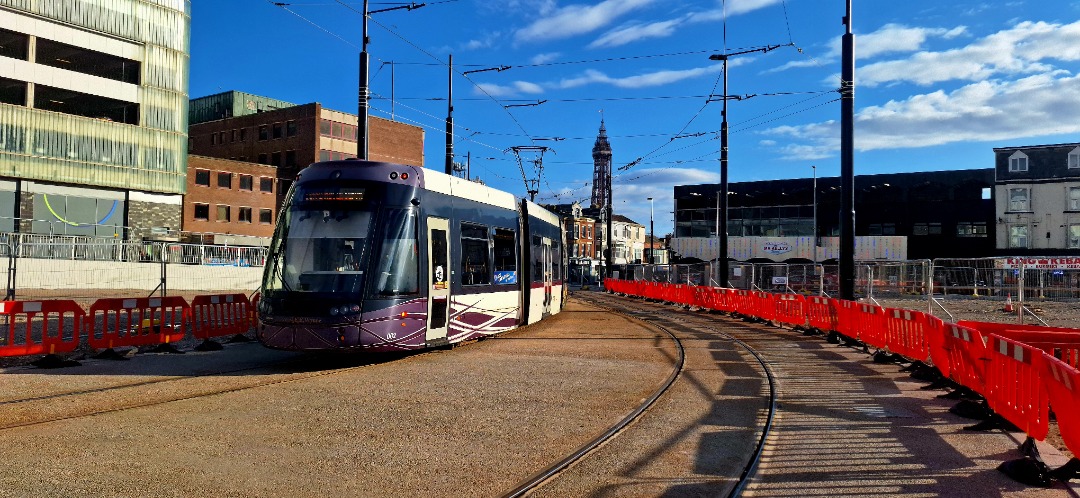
[938, 84]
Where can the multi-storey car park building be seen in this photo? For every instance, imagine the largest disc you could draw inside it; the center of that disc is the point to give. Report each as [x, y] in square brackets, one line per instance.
[924, 215]
[1038, 199]
[93, 116]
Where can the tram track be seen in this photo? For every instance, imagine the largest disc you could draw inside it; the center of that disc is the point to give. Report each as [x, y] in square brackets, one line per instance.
[672, 324]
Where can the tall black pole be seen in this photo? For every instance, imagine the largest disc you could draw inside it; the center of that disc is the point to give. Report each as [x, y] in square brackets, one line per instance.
[723, 196]
[362, 107]
[847, 163]
[610, 260]
[450, 117]
[652, 234]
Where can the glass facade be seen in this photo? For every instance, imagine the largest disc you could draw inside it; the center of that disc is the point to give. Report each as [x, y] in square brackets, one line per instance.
[136, 142]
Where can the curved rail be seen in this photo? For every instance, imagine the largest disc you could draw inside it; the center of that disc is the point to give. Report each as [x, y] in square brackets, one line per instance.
[755, 459]
[538, 479]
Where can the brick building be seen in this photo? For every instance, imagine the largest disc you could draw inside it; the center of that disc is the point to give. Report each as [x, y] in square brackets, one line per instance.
[230, 197]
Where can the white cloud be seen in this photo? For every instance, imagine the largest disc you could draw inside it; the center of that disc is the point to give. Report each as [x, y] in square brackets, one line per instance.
[512, 90]
[544, 58]
[636, 32]
[983, 111]
[656, 78]
[572, 20]
[890, 38]
[1023, 49]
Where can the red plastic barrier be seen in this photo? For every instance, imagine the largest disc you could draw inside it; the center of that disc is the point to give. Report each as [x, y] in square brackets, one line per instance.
[218, 315]
[1063, 388]
[727, 299]
[1014, 385]
[870, 324]
[967, 356]
[935, 338]
[791, 309]
[1060, 342]
[119, 322]
[847, 322]
[763, 305]
[906, 333]
[40, 327]
[821, 313]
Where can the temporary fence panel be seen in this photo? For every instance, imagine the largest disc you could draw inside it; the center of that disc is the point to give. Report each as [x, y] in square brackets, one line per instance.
[967, 356]
[1014, 385]
[870, 324]
[821, 313]
[847, 323]
[791, 309]
[763, 305]
[906, 333]
[935, 339]
[40, 327]
[220, 315]
[118, 322]
[1063, 388]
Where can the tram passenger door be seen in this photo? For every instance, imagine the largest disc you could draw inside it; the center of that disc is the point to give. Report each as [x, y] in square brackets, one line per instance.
[546, 251]
[438, 265]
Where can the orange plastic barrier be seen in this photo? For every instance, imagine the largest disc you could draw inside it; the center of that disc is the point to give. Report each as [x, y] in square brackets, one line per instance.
[870, 324]
[218, 315]
[821, 313]
[906, 333]
[40, 327]
[846, 317]
[935, 339]
[763, 305]
[1014, 385]
[1063, 388]
[791, 309]
[967, 356]
[119, 322]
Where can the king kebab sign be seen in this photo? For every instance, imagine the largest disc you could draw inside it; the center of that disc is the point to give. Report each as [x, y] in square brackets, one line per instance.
[1037, 263]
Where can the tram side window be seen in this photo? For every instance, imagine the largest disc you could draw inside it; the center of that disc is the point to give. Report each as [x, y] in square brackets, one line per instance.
[537, 259]
[399, 260]
[475, 267]
[505, 257]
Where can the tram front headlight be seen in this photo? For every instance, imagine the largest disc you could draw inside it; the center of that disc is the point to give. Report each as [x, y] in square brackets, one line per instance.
[334, 311]
[355, 308]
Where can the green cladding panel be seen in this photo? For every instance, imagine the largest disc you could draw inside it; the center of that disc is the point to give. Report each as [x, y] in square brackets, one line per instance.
[231, 104]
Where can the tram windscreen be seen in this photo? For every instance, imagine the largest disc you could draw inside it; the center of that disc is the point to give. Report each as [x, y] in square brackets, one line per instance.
[323, 248]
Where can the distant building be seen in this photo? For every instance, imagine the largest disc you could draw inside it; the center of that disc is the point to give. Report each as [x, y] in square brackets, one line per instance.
[260, 144]
[232, 202]
[1038, 199]
[937, 214]
[601, 185]
[93, 116]
[249, 128]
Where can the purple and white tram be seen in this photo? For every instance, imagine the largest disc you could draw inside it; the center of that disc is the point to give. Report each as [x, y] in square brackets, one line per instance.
[379, 257]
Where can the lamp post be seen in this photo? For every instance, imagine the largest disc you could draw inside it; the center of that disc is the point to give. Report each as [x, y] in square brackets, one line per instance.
[652, 235]
[815, 213]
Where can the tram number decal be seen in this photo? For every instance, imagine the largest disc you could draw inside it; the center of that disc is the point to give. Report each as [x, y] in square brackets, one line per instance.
[391, 335]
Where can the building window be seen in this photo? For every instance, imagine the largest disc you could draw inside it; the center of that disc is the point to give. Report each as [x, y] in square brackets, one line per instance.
[243, 215]
[224, 179]
[1018, 162]
[1074, 158]
[275, 159]
[934, 228]
[221, 138]
[277, 130]
[232, 137]
[1018, 237]
[290, 128]
[1074, 199]
[263, 159]
[223, 212]
[324, 127]
[350, 133]
[202, 177]
[266, 184]
[971, 229]
[264, 133]
[1019, 199]
[290, 158]
[14, 44]
[213, 139]
[337, 130]
[202, 212]
[324, 155]
[1074, 236]
[266, 216]
[246, 182]
[243, 134]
